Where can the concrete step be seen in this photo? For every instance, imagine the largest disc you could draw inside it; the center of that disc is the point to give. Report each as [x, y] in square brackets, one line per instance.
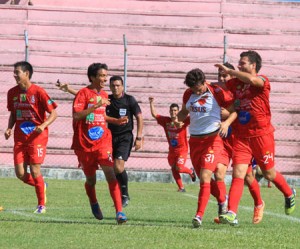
[147, 6]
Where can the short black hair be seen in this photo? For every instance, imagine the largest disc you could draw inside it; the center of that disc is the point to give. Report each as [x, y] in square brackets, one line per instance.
[194, 77]
[174, 105]
[26, 66]
[93, 69]
[114, 78]
[253, 57]
[227, 64]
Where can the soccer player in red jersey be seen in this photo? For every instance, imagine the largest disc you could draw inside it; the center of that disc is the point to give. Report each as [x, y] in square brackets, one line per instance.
[254, 133]
[28, 105]
[250, 180]
[92, 140]
[203, 103]
[178, 144]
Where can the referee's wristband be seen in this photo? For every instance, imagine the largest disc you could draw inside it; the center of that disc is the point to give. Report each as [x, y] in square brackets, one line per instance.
[138, 138]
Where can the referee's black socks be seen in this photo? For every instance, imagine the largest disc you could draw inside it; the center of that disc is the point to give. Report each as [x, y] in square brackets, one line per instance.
[123, 182]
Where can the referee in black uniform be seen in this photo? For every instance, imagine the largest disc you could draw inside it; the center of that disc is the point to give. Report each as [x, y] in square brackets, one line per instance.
[123, 105]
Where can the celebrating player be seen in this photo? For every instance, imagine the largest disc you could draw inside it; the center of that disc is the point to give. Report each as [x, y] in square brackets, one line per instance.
[254, 133]
[92, 141]
[203, 103]
[28, 105]
[177, 139]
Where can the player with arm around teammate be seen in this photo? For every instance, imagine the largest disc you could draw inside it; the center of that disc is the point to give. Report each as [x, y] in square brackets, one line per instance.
[254, 133]
[250, 180]
[178, 144]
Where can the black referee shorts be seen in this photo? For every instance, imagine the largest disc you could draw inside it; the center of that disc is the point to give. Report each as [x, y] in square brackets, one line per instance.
[122, 145]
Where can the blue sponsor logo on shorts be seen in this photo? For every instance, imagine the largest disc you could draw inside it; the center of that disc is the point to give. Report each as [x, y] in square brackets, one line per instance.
[174, 142]
[244, 117]
[95, 133]
[27, 127]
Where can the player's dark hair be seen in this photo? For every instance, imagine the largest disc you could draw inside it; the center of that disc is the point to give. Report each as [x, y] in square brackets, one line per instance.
[174, 105]
[227, 64]
[93, 69]
[194, 77]
[253, 57]
[26, 66]
[114, 78]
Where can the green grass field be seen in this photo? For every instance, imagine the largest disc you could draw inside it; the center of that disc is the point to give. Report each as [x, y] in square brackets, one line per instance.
[159, 217]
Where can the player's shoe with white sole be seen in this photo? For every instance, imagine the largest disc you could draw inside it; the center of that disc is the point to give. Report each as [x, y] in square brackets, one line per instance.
[290, 203]
[40, 210]
[197, 221]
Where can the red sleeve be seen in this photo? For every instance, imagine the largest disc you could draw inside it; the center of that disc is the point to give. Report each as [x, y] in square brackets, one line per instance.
[223, 98]
[10, 100]
[187, 94]
[79, 103]
[161, 120]
[49, 104]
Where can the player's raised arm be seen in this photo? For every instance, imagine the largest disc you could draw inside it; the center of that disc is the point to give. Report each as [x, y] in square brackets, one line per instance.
[152, 107]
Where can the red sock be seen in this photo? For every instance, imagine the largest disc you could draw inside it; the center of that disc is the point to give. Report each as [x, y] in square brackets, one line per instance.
[214, 188]
[91, 193]
[282, 185]
[255, 192]
[235, 194]
[185, 170]
[115, 194]
[39, 189]
[28, 179]
[203, 198]
[222, 190]
[218, 190]
[177, 178]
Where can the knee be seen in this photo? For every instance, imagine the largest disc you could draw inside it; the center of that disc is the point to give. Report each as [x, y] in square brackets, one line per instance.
[269, 175]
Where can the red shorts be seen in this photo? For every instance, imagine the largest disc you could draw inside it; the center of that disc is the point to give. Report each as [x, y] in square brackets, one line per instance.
[90, 161]
[29, 153]
[226, 153]
[205, 152]
[262, 148]
[177, 159]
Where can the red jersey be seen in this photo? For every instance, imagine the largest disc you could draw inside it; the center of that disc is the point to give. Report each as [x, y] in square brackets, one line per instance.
[253, 107]
[177, 137]
[29, 108]
[91, 133]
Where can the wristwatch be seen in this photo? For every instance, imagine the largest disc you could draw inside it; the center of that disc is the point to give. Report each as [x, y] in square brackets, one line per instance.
[138, 138]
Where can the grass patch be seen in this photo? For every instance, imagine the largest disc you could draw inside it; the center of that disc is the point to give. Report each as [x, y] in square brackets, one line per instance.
[159, 217]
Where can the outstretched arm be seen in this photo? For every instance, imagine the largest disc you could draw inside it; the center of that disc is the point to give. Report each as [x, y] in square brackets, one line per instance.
[243, 76]
[66, 87]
